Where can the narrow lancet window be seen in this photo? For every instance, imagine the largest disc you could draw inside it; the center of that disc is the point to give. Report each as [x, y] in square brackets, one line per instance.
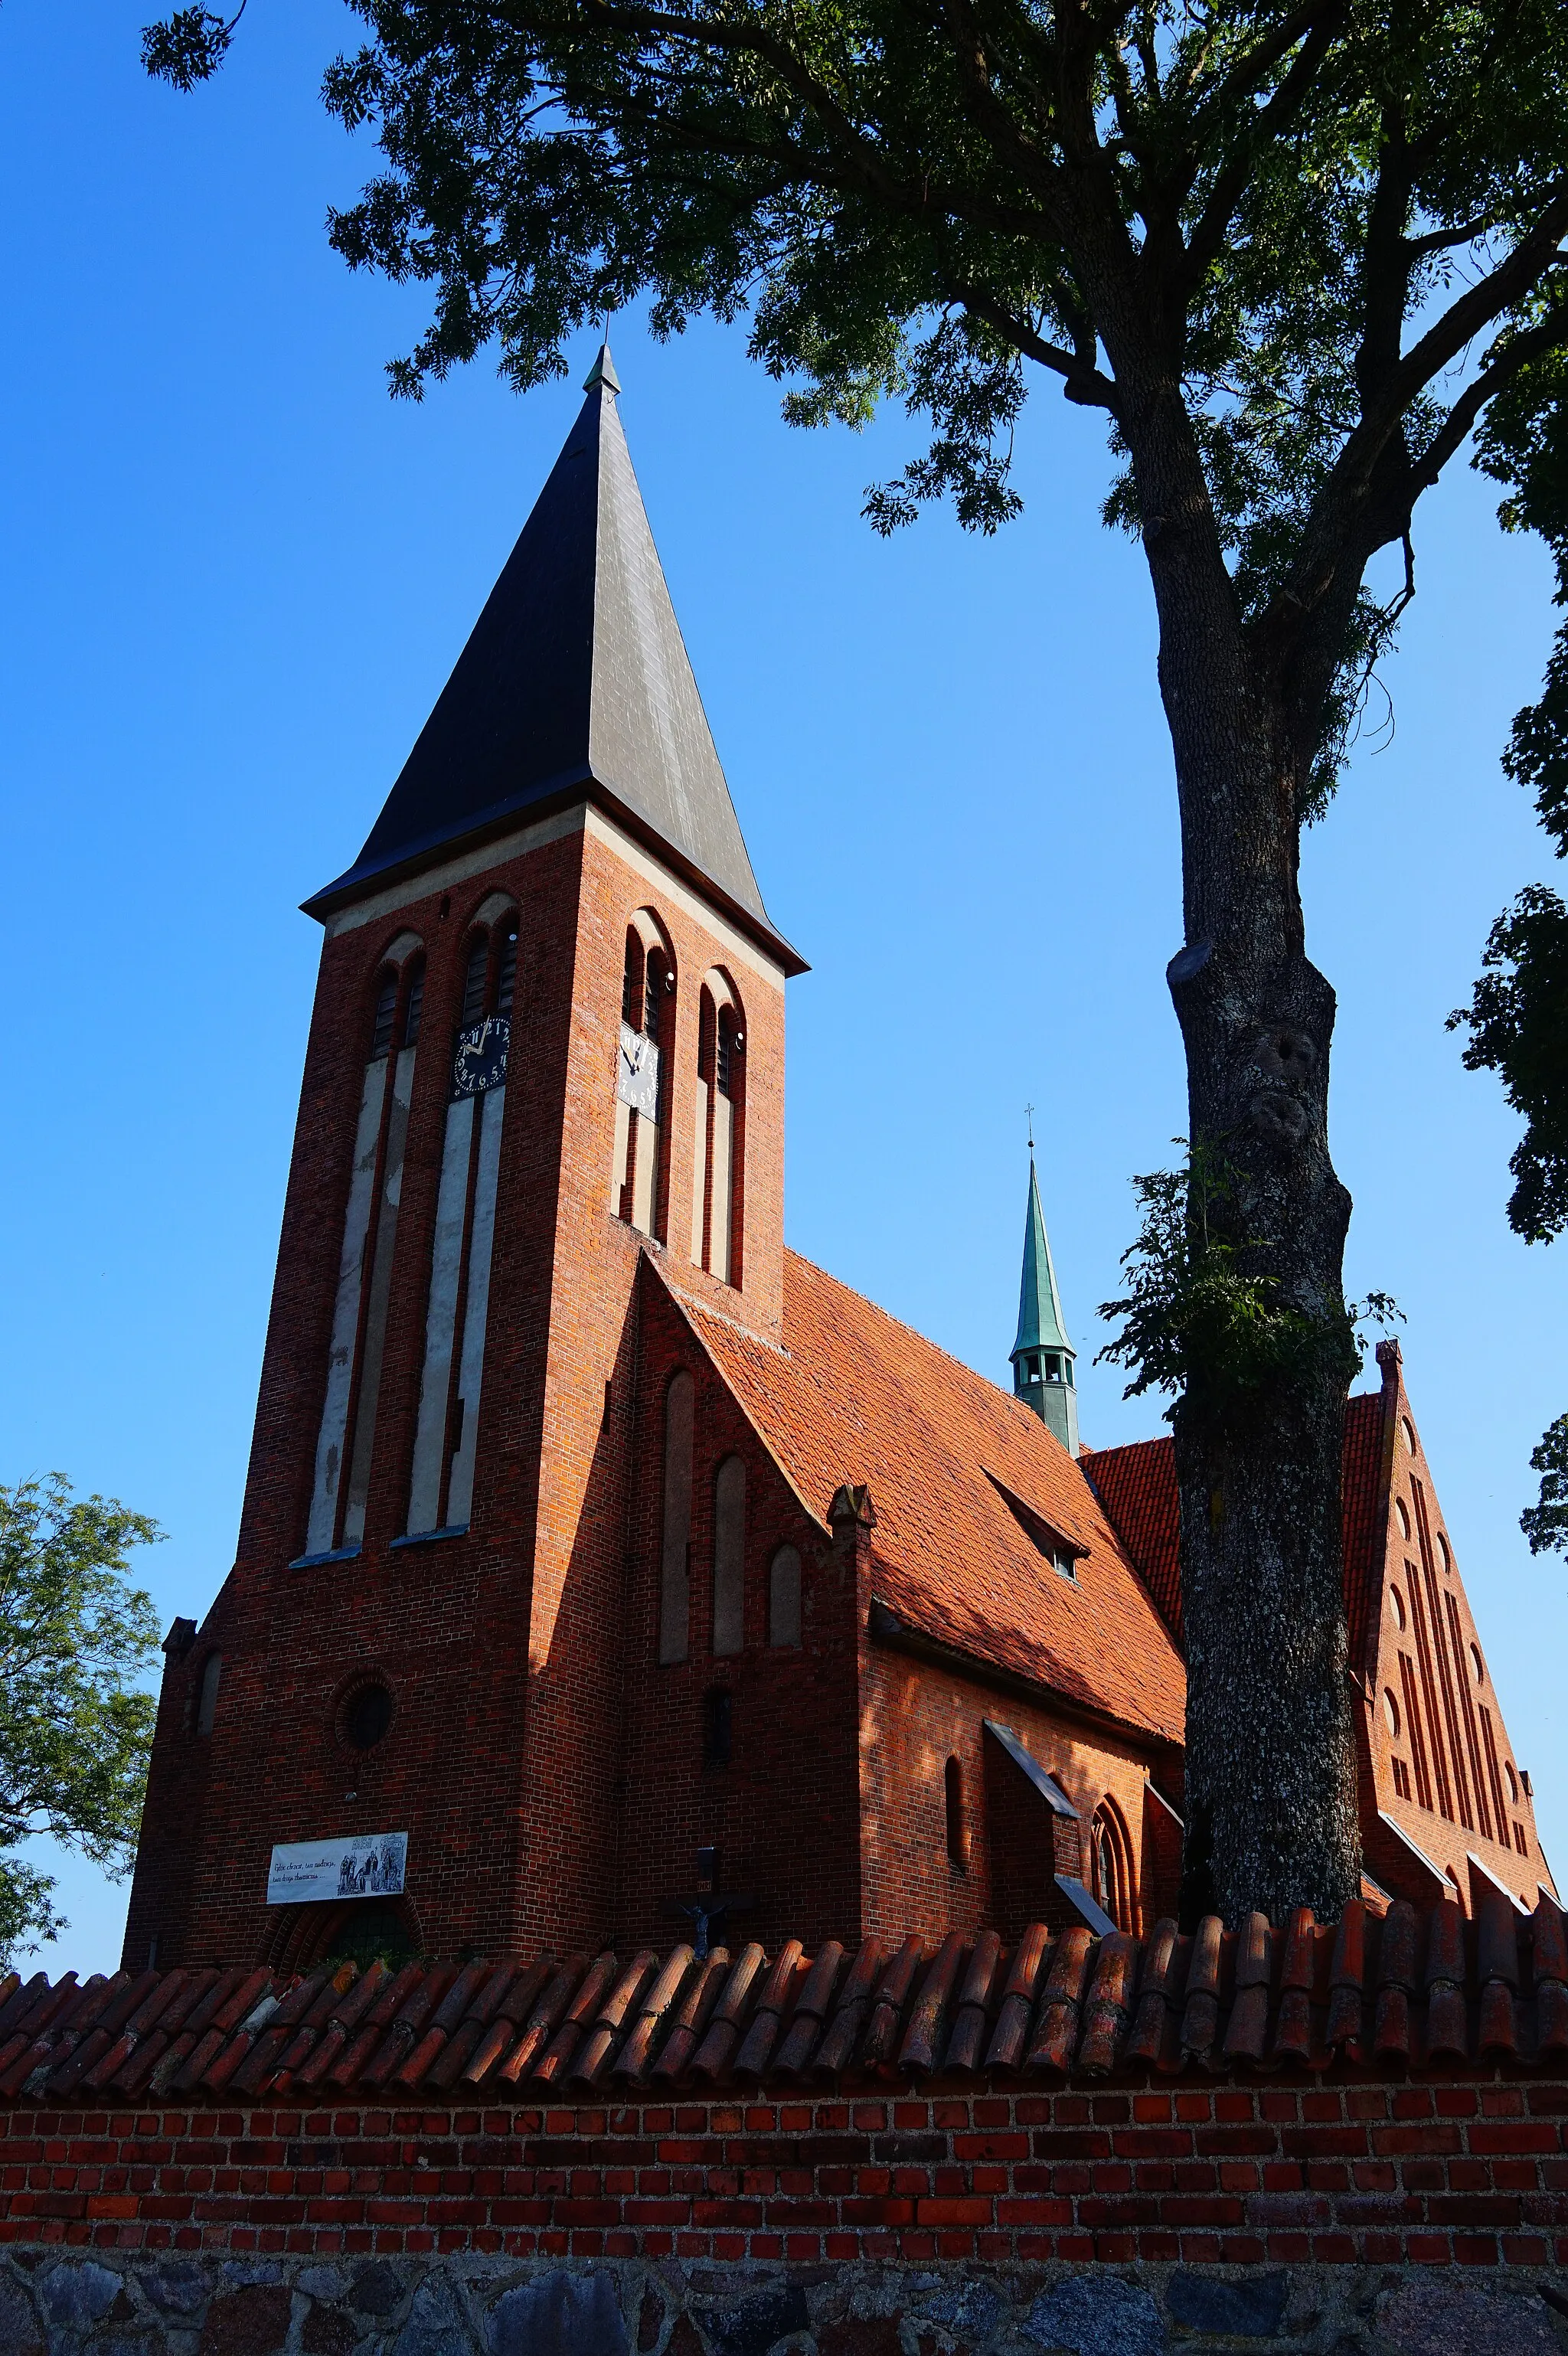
[784, 1597]
[207, 1703]
[347, 1432]
[957, 1829]
[729, 1557]
[720, 1114]
[642, 1117]
[1111, 1858]
[675, 1573]
[441, 1492]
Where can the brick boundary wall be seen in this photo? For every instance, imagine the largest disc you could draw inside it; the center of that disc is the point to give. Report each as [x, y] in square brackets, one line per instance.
[1339, 2212]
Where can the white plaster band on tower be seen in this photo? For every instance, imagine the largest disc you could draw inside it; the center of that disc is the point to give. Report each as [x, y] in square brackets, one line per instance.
[471, 1359]
[460, 1275]
[383, 1248]
[329, 1447]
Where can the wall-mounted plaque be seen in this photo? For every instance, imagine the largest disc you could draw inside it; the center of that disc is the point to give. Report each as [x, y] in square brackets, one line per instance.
[363, 1865]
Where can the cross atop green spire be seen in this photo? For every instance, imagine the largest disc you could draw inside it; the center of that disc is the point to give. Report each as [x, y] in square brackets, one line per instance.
[1042, 1356]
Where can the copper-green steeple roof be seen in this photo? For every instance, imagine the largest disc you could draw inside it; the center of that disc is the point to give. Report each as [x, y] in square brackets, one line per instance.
[1040, 1304]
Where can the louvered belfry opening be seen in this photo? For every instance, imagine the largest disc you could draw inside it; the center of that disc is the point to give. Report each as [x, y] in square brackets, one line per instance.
[385, 1013]
[506, 967]
[413, 1003]
[476, 975]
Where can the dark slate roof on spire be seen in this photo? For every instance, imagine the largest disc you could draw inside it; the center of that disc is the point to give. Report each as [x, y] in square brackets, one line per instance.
[1040, 1304]
[575, 678]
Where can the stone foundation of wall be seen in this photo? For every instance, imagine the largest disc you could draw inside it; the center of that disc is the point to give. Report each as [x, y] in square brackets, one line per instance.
[68, 2304]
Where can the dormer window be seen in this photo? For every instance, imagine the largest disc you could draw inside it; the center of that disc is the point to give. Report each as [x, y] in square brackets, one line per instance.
[1063, 1553]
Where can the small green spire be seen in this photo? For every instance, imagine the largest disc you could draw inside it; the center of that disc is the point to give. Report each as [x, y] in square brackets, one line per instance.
[602, 372]
[1043, 1358]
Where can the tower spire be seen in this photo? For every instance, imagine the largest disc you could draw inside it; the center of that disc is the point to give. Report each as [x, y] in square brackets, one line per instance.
[1043, 1358]
[603, 368]
[575, 685]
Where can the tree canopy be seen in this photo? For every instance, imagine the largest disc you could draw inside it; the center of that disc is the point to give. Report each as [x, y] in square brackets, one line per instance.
[1334, 227]
[1517, 1014]
[75, 1731]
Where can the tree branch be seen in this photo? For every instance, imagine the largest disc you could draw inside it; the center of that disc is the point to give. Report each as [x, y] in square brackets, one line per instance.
[1435, 240]
[1084, 382]
[1329, 527]
[1213, 223]
[1520, 350]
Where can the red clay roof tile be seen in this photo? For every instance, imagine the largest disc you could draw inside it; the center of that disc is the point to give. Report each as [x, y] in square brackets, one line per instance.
[854, 1398]
[1073, 2005]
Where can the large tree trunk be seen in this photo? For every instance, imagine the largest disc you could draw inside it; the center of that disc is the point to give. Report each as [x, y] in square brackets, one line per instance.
[1271, 1768]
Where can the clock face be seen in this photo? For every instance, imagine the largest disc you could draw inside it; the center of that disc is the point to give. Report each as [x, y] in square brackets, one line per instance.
[480, 1062]
[637, 1072]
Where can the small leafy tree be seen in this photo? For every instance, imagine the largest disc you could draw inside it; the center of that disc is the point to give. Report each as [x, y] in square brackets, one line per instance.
[1291, 252]
[75, 1731]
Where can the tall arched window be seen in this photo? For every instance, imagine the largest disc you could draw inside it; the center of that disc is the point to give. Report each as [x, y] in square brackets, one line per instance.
[729, 1557]
[720, 1160]
[440, 1490]
[1112, 1864]
[784, 1597]
[957, 1821]
[638, 1187]
[674, 1573]
[348, 1431]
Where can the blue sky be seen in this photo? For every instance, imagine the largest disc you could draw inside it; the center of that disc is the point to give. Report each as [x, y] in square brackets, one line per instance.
[233, 577]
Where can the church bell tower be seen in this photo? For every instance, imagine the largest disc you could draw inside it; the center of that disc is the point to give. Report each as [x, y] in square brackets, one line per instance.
[547, 1041]
[1043, 1358]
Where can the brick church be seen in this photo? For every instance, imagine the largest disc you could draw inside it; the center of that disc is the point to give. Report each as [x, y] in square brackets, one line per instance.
[600, 1557]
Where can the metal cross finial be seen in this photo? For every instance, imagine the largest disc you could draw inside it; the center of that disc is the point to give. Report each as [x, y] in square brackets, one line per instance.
[1029, 1113]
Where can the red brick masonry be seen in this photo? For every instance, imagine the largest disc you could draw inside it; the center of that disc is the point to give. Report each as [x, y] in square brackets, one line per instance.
[1381, 2091]
[1358, 2172]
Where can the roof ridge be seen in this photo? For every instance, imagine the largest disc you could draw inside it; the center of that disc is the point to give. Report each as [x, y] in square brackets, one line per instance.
[904, 1326]
[1164, 1440]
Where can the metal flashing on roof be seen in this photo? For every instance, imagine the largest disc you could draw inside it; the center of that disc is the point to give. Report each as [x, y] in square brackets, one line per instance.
[1438, 1876]
[1152, 1788]
[1049, 1789]
[1477, 1866]
[1083, 1903]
